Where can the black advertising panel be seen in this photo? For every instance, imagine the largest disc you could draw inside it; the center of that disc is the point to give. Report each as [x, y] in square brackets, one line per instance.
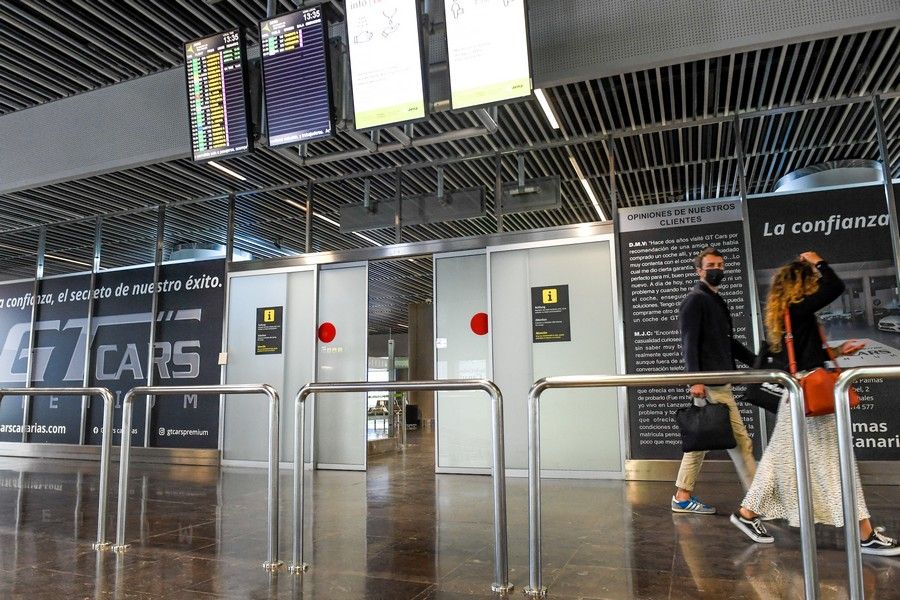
[119, 345]
[550, 317]
[16, 300]
[658, 245]
[188, 342]
[269, 329]
[218, 104]
[62, 326]
[295, 77]
[189, 338]
[850, 228]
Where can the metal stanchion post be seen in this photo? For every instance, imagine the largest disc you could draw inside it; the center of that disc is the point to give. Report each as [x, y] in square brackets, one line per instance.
[105, 456]
[498, 476]
[534, 589]
[272, 563]
[804, 492]
[297, 564]
[501, 546]
[105, 445]
[807, 533]
[848, 481]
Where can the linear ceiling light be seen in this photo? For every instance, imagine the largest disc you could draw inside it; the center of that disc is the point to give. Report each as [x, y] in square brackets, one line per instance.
[587, 188]
[226, 170]
[542, 100]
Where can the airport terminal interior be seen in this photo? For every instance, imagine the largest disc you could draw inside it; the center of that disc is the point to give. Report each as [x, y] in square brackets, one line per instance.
[381, 299]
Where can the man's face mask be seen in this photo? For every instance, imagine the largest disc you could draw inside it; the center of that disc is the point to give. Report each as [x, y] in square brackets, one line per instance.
[714, 277]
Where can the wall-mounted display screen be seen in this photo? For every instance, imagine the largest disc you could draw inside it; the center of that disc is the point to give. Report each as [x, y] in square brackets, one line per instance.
[295, 77]
[487, 46]
[385, 62]
[217, 95]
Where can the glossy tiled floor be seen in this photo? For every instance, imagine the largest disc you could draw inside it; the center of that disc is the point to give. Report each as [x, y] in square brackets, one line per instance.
[398, 532]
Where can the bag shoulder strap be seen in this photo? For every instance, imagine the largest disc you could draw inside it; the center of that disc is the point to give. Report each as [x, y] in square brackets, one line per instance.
[789, 342]
[828, 350]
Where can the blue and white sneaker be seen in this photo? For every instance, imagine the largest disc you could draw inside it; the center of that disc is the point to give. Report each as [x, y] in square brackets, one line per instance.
[693, 506]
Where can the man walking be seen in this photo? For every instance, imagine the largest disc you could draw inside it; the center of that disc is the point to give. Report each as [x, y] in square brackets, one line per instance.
[708, 344]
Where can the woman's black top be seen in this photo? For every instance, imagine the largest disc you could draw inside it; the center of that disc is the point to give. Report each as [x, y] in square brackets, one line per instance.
[808, 348]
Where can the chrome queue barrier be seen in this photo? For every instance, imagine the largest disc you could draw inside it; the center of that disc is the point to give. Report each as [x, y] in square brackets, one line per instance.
[272, 563]
[845, 452]
[498, 466]
[807, 532]
[105, 442]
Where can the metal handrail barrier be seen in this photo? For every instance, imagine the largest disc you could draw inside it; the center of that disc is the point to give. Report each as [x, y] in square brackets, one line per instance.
[807, 532]
[498, 466]
[272, 563]
[105, 441]
[845, 453]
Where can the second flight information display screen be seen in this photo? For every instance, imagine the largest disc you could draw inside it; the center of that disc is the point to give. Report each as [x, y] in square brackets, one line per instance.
[217, 95]
[295, 77]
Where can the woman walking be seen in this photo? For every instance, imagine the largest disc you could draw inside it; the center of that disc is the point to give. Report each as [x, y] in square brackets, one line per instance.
[801, 288]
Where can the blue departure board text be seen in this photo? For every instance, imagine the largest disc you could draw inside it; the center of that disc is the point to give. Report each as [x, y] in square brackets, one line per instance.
[295, 77]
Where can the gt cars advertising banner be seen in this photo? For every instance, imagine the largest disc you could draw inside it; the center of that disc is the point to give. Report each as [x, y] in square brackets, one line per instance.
[657, 248]
[850, 228]
[188, 340]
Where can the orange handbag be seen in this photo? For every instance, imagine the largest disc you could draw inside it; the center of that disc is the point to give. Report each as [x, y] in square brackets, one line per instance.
[818, 385]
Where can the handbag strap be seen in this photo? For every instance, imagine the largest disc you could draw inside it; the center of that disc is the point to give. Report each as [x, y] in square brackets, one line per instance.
[828, 350]
[789, 342]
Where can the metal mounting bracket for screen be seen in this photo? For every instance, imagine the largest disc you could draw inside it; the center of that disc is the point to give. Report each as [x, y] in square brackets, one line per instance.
[105, 442]
[848, 477]
[807, 533]
[272, 563]
[498, 466]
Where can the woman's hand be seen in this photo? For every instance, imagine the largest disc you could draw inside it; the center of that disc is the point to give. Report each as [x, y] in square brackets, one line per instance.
[851, 347]
[811, 257]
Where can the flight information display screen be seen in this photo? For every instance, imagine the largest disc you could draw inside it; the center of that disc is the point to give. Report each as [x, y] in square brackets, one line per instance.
[295, 77]
[385, 62]
[217, 95]
[488, 61]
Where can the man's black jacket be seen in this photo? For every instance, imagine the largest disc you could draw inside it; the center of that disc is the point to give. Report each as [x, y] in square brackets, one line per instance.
[707, 334]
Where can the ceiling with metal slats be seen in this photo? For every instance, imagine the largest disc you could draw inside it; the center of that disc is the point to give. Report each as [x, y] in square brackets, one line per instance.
[674, 139]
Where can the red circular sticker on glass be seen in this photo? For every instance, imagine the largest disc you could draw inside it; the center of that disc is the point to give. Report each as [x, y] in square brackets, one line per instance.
[479, 324]
[327, 332]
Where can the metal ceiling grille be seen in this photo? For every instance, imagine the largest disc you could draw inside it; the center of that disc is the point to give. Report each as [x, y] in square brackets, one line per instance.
[674, 139]
[393, 286]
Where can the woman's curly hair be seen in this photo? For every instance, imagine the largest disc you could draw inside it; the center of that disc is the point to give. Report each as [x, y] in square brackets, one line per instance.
[791, 284]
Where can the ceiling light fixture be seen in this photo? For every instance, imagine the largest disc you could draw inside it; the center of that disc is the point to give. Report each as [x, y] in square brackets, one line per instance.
[226, 170]
[587, 187]
[542, 100]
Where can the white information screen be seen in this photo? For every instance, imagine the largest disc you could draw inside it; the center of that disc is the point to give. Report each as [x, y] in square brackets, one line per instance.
[487, 44]
[385, 62]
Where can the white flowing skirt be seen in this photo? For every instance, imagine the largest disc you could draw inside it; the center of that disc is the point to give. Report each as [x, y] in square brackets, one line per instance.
[773, 493]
